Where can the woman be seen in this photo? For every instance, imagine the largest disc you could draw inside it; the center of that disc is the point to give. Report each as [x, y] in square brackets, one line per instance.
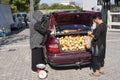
[37, 33]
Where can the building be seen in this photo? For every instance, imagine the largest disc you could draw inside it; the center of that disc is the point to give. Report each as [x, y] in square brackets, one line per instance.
[65, 2]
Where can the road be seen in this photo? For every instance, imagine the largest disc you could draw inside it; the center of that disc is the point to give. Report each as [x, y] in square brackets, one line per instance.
[15, 60]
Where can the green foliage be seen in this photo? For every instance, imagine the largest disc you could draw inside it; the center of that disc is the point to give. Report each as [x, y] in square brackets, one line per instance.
[19, 5]
[4, 1]
[36, 5]
[22, 5]
[58, 6]
[14, 8]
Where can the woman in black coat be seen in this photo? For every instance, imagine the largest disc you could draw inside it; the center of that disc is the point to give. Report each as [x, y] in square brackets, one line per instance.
[98, 44]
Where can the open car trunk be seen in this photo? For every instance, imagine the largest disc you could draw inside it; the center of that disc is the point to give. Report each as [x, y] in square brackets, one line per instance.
[70, 29]
[71, 17]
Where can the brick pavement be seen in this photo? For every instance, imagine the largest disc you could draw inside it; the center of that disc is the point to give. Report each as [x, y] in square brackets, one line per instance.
[15, 62]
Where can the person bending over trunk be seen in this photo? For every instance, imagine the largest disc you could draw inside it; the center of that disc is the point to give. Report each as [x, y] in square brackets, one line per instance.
[37, 44]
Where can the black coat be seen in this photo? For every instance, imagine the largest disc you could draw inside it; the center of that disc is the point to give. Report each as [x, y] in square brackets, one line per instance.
[99, 41]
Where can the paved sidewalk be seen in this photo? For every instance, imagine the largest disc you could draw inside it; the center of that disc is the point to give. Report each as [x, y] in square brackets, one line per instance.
[15, 61]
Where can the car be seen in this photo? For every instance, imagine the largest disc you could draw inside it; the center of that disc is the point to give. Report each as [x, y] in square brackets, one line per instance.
[20, 20]
[66, 46]
[25, 18]
[18, 23]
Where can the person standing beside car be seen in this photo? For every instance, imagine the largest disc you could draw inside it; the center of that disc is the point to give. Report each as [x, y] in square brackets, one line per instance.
[98, 44]
[26, 20]
[36, 40]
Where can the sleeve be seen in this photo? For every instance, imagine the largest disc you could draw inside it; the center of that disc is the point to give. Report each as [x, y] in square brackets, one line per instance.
[97, 33]
[40, 29]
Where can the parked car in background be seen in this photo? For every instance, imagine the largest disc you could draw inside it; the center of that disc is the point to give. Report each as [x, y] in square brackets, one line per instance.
[17, 22]
[20, 20]
[25, 17]
[66, 46]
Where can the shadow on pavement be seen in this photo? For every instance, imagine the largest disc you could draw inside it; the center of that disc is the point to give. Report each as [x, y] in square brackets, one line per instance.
[16, 31]
[13, 37]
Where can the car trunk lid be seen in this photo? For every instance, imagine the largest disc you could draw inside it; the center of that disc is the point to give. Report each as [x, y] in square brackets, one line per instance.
[71, 17]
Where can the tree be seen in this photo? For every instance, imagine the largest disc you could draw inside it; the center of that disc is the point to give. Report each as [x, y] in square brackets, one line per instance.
[19, 5]
[36, 5]
[22, 5]
[44, 4]
[4, 1]
[59, 6]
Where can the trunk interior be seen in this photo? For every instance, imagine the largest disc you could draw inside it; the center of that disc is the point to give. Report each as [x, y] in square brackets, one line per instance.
[72, 39]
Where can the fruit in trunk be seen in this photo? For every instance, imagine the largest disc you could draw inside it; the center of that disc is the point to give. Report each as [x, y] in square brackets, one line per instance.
[72, 42]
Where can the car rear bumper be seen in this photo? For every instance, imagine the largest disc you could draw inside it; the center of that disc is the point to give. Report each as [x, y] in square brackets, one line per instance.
[71, 64]
[71, 59]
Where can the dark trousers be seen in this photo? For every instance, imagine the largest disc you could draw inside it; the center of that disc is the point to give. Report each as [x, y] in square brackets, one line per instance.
[37, 57]
[97, 62]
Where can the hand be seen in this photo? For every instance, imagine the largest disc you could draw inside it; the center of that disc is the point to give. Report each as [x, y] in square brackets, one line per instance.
[89, 33]
[88, 46]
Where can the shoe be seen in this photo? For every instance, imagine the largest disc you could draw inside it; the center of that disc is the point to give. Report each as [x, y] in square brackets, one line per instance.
[96, 75]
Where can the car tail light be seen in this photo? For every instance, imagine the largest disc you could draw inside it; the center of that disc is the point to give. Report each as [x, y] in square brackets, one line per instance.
[53, 48]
